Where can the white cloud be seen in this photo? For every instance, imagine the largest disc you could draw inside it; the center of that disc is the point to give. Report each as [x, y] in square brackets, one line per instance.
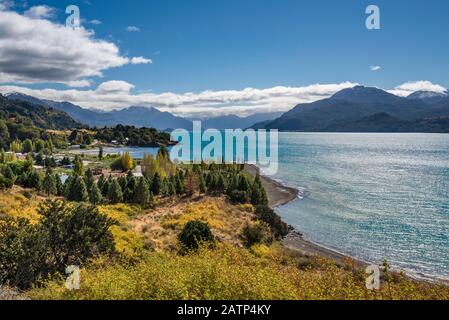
[141, 60]
[40, 51]
[79, 83]
[95, 22]
[132, 29]
[408, 88]
[117, 95]
[115, 87]
[40, 12]
[375, 68]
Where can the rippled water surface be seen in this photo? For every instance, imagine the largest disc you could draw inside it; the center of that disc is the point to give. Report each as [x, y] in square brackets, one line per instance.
[373, 196]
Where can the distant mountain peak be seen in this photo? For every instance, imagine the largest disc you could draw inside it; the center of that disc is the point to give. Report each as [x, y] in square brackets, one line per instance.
[362, 94]
[427, 95]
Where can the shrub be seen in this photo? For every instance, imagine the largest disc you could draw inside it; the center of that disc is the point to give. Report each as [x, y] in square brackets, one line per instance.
[238, 196]
[194, 234]
[5, 183]
[257, 233]
[279, 228]
[65, 235]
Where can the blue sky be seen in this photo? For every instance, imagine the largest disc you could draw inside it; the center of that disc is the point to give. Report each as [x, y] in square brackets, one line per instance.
[200, 45]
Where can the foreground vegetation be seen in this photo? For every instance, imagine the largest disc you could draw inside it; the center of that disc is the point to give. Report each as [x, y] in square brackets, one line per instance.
[180, 231]
[227, 272]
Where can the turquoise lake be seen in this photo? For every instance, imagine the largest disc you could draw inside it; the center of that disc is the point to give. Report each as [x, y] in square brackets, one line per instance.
[372, 196]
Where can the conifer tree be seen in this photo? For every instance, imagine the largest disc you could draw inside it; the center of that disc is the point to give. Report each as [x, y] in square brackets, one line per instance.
[28, 146]
[78, 163]
[89, 179]
[49, 183]
[156, 184]
[95, 196]
[78, 191]
[142, 193]
[115, 193]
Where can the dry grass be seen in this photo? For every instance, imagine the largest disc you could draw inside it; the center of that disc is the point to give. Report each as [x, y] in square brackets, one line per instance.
[162, 225]
[129, 243]
[14, 203]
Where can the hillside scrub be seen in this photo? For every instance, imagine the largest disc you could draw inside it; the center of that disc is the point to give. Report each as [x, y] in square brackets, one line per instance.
[228, 273]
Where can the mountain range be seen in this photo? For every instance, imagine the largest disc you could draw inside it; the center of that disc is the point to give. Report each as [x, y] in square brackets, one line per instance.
[367, 109]
[135, 116]
[143, 116]
[357, 109]
[27, 116]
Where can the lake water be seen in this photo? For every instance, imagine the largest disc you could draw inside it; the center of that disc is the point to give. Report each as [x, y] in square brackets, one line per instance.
[372, 196]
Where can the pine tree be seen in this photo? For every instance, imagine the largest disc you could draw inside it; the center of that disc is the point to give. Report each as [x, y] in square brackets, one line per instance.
[78, 163]
[179, 185]
[28, 146]
[156, 184]
[89, 179]
[164, 188]
[142, 193]
[78, 191]
[100, 153]
[123, 182]
[131, 181]
[202, 184]
[221, 183]
[49, 183]
[9, 174]
[171, 188]
[106, 186]
[34, 180]
[128, 195]
[243, 183]
[59, 185]
[101, 181]
[68, 186]
[95, 196]
[115, 193]
[28, 165]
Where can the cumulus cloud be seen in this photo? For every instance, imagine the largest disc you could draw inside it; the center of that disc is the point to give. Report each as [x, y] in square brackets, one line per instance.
[40, 51]
[132, 29]
[375, 68]
[40, 12]
[115, 87]
[408, 88]
[117, 95]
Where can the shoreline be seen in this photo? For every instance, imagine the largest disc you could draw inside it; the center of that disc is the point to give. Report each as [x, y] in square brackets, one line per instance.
[279, 195]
